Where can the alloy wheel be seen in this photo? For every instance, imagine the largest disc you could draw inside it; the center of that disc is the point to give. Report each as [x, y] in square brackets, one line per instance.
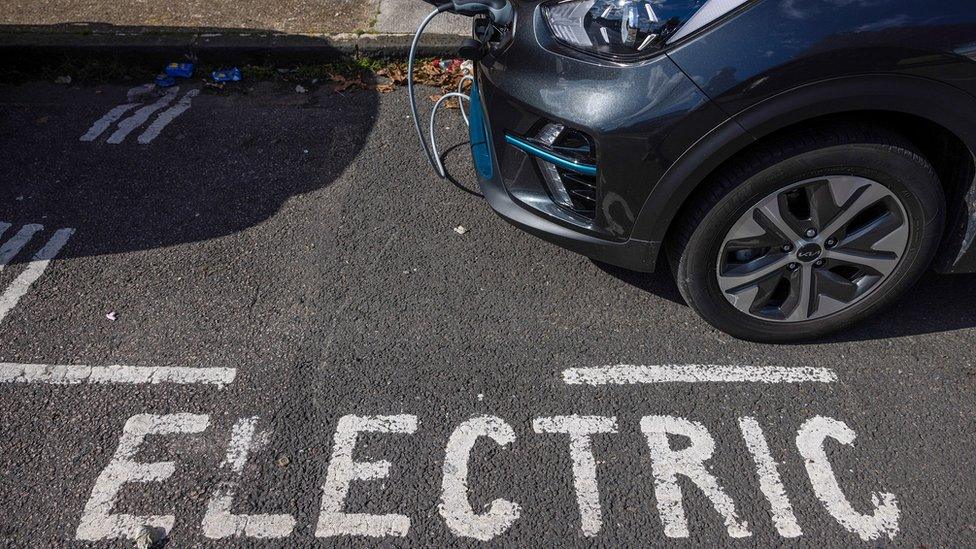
[812, 249]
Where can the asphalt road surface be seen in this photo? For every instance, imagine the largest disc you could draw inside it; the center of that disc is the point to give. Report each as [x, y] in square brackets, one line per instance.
[304, 351]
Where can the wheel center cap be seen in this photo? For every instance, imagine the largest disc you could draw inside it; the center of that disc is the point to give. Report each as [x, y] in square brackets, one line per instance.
[808, 253]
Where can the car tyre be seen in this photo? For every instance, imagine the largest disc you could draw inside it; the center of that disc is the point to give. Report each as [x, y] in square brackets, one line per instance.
[704, 253]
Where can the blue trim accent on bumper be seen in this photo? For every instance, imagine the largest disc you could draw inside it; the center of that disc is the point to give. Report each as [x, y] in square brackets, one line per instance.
[478, 133]
[561, 161]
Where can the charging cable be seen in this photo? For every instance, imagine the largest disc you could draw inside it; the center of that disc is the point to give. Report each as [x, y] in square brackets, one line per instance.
[461, 97]
[500, 12]
[431, 157]
[438, 167]
[460, 89]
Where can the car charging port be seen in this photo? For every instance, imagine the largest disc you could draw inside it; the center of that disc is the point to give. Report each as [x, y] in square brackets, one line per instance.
[472, 50]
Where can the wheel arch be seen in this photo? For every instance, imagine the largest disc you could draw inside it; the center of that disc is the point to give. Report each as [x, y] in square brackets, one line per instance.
[942, 126]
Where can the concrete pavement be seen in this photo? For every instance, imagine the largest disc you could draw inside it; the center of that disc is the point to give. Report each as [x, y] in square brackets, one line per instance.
[229, 32]
[315, 17]
[403, 17]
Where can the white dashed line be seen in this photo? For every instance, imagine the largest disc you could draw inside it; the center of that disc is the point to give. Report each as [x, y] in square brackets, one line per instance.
[96, 375]
[166, 117]
[17, 242]
[695, 373]
[104, 122]
[141, 116]
[18, 288]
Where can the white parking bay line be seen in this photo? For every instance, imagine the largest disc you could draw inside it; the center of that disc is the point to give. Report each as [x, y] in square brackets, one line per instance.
[104, 122]
[138, 118]
[116, 374]
[624, 374]
[17, 242]
[166, 117]
[18, 288]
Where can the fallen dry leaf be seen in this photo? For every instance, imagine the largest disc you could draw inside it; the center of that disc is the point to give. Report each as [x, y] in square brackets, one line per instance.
[429, 74]
[341, 83]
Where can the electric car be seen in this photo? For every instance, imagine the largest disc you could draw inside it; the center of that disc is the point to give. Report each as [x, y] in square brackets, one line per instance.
[797, 163]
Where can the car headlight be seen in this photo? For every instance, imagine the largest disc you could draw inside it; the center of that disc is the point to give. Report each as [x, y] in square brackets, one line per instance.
[617, 28]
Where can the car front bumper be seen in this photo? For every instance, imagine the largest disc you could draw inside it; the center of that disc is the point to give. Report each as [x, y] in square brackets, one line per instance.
[641, 118]
[633, 254]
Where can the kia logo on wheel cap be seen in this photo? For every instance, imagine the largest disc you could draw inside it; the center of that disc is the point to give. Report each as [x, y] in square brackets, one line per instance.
[809, 252]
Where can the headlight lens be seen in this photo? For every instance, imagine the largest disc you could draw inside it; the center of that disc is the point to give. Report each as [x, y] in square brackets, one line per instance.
[617, 28]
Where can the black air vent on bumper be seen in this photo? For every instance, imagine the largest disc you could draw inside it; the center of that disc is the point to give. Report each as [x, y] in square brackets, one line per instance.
[567, 161]
[582, 191]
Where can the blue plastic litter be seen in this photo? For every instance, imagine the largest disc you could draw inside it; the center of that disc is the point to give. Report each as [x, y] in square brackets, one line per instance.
[180, 70]
[165, 81]
[227, 75]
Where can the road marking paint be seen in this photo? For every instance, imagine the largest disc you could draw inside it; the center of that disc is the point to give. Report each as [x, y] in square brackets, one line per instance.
[689, 462]
[770, 482]
[141, 116]
[343, 471]
[679, 447]
[580, 430]
[166, 117]
[97, 521]
[104, 122]
[38, 264]
[17, 242]
[455, 506]
[624, 374]
[117, 374]
[133, 96]
[219, 522]
[139, 91]
[810, 442]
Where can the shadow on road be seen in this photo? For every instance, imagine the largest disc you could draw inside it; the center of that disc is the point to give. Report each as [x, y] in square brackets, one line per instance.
[659, 283]
[451, 153]
[226, 164]
[939, 303]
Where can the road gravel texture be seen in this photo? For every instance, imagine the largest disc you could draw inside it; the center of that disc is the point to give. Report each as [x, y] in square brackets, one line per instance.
[301, 241]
